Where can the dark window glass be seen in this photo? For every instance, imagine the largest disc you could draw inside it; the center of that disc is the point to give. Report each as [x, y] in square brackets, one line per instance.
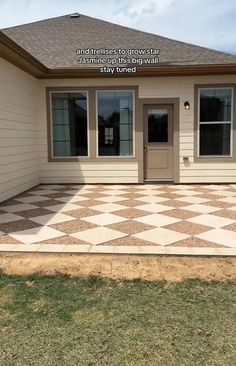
[215, 105]
[69, 120]
[157, 125]
[215, 139]
[115, 123]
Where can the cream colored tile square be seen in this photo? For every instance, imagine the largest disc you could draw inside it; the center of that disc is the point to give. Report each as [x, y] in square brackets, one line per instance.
[201, 208]
[64, 207]
[36, 234]
[228, 200]
[71, 199]
[211, 220]
[182, 187]
[42, 192]
[32, 199]
[115, 187]
[224, 193]
[154, 207]
[52, 219]
[77, 192]
[185, 192]
[157, 220]
[115, 192]
[152, 199]
[108, 207]
[111, 199]
[215, 187]
[161, 236]
[8, 217]
[104, 219]
[192, 199]
[149, 192]
[18, 208]
[220, 236]
[98, 235]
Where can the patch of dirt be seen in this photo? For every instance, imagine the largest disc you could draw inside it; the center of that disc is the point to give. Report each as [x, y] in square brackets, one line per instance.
[149, 267]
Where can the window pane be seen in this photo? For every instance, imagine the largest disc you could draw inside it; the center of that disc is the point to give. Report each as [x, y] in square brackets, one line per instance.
[215, 105]
[158, 125]
[115, 123]
[215, 139]
[69, 119]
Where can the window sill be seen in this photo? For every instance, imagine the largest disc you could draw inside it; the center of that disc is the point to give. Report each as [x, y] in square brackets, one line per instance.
[214, 159]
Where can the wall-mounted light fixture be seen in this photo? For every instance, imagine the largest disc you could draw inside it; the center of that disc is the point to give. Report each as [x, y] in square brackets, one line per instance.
[186, 105]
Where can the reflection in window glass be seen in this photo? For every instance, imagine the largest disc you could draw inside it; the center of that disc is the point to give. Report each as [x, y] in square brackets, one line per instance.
[215, 105]
[214, 132]
[157, 125]
[215, 139]
[115, 123]
[69, 124]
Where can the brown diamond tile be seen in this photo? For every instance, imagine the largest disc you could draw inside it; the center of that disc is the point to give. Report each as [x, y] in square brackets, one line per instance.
[169, 195]
[63, 240]
[227, 213]
[220, 204]
[131, 213]
[181, 213]
[231, 227]
[196, 243]
[174, 203]
[131, 195]
[209, 196]
[71, 227]
[47, 203]
[93, 195]
[202, 190]
[82, 212]
[88, 203]
[131, 203]
[34, 212]
[129, 241]
[130, 227]
[189, 228]
[18, 225]
[9, 202]
[6, 239]
[58, 195]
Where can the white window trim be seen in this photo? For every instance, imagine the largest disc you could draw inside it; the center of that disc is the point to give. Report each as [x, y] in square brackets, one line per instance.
[134, 115]
[216, 122]
[51, 124]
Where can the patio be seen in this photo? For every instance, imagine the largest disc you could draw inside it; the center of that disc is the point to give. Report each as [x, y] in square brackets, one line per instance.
[133, 219]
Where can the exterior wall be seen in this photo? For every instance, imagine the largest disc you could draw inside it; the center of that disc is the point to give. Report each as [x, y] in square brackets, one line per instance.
[19, 163]
[131, 171]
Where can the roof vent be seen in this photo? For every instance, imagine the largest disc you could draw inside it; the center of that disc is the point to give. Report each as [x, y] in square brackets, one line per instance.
[75, 15]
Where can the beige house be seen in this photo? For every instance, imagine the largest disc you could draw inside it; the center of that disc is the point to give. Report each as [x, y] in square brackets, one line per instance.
[63, 120]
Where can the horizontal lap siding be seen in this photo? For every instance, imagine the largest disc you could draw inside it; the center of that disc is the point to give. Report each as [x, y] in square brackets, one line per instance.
[163, 87]
[183, 88]
[80, 172]
[19, 148]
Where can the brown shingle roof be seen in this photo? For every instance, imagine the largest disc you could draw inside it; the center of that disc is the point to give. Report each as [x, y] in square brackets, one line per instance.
[54, 41]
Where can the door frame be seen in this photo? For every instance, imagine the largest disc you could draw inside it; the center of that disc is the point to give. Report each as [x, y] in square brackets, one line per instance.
[174, 102]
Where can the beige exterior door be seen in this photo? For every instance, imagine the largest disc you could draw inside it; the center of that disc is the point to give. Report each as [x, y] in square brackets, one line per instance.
[158, 142]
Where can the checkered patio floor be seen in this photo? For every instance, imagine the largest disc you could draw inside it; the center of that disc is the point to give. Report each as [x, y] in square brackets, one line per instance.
[157, 218]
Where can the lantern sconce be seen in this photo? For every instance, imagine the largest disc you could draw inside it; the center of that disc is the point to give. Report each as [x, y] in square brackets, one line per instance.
[186, 105]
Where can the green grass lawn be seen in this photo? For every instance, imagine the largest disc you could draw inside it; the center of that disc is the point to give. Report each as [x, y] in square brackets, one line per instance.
[62, 320]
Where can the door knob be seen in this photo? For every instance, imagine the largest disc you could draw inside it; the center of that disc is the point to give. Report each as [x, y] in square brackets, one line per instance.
[145, 147]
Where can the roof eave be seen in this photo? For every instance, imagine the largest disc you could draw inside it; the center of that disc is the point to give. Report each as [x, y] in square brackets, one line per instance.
[173, 70]
[13, 53]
